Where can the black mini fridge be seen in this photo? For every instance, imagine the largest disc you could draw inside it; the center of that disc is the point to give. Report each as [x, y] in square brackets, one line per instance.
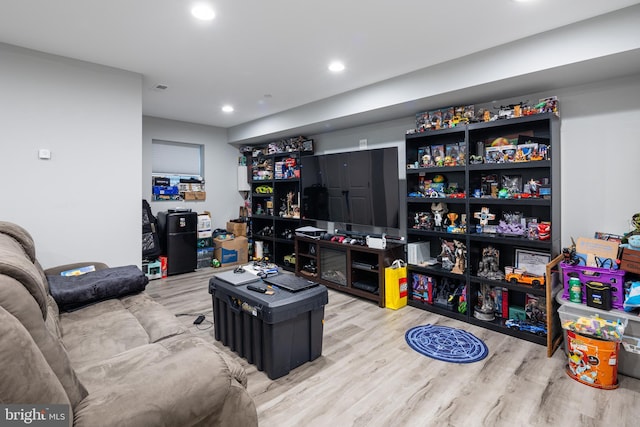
[178, 231]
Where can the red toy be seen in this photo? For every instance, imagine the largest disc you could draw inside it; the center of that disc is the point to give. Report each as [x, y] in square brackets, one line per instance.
[544, 230]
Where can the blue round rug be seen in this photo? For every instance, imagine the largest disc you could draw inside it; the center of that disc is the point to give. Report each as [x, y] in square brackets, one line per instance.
[446, 344]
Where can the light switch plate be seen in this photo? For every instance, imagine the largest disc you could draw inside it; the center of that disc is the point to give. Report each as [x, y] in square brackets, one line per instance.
[45, 154]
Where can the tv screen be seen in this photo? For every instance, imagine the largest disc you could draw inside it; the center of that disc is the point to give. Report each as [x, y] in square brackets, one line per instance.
[359, 187]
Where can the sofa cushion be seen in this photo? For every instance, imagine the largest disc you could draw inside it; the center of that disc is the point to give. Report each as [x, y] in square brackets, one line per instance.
[73, 292]
[26, 375]
[107, 328]
[17, 301]
[179, 381]
[157, 321]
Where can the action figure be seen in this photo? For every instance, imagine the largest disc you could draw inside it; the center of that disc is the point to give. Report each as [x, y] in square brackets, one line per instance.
[489, 266]
[460, 254]
[438, 210]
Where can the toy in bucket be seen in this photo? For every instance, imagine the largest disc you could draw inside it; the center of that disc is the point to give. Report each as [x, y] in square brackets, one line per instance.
[395, 290]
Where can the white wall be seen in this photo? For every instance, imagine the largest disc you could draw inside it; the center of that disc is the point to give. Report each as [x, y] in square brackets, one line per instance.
[600, 149]
[84, 203]
[600, 153]
[220, 168]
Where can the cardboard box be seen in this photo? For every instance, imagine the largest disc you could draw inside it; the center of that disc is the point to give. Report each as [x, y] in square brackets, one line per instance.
[204, 222]
[194, 195]
[205, 234]
[231, 251]
[630, 260]
[237, 228]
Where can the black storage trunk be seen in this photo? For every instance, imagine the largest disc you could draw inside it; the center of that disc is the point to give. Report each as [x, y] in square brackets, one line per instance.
[276, 332]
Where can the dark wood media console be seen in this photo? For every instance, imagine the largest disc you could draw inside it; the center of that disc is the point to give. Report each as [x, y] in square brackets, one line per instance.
[354, 269]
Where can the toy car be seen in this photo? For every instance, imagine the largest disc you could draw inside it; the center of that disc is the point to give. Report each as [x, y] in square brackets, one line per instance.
[264, 189]
[290, 260]
[521, 325]
[525, 278]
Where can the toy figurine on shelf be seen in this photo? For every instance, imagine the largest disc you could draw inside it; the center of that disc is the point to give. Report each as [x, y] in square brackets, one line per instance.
[489, 266]
[484, 216]
[520, 156]
[511, 225]
[484, 310]
[283, 208]
[423, 221]
[439, 210]
[460, 254]
[447, 257]
[635, 224]
[544, 230]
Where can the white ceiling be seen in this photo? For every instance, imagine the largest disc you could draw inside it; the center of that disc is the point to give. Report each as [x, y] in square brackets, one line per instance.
[268, 56]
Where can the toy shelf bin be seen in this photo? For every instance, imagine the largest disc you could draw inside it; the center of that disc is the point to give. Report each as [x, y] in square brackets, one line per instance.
[612, 278]
[592, 324]
[629, 354]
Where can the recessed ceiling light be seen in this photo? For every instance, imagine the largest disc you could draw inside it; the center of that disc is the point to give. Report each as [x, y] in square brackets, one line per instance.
[336, 66]
[227, 109]
[203, 11]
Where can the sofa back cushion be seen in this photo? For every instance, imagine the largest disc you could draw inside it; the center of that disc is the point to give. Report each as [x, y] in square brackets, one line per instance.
[14, 263]
[26, 377]
[21, 236]
[19, 303]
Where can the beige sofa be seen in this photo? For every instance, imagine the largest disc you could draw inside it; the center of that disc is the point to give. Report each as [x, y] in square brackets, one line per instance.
[121, 362]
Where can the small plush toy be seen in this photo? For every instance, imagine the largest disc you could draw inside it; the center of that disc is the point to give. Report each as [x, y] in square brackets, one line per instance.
[633, 242]
[635, 222]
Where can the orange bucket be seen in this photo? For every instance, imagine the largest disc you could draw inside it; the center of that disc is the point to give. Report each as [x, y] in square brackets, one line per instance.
[592, 361]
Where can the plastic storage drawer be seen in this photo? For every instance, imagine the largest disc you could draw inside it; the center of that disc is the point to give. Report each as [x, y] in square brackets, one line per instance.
[276, 332]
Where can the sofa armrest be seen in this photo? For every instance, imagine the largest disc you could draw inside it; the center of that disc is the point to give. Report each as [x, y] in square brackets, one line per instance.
[55, 271]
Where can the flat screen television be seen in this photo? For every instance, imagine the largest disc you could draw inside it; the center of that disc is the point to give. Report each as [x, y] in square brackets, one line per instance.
[353, 188]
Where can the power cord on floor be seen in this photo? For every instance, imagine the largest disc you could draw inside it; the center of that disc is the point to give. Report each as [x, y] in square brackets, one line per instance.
[201, 322]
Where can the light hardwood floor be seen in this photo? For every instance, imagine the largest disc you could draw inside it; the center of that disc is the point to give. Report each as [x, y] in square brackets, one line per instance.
[368, 375]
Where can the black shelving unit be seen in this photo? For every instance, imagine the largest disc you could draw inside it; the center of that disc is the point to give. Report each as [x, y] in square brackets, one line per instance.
[469, 177]
[273, 220]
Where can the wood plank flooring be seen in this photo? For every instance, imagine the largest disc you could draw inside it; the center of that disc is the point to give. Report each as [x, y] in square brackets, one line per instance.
[368, 375]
